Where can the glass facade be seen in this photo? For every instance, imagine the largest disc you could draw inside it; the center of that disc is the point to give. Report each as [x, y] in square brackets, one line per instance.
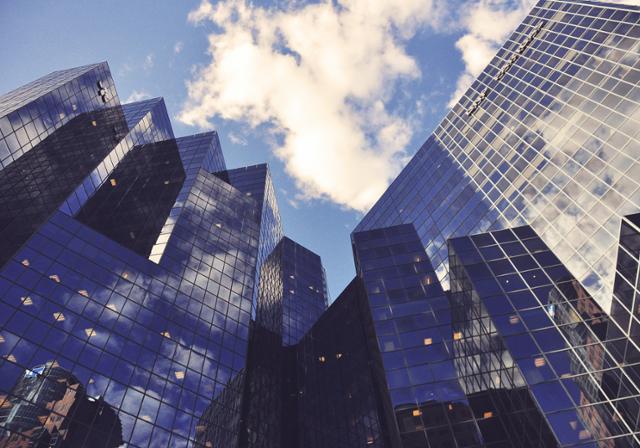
[128, 275]
[148, 296]
[548, 135]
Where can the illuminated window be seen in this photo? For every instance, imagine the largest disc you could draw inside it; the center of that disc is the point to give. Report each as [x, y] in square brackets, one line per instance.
[427, 280]
[166, 182]
[94, 123]
[487, 414]
[450, 407]
[311, 287]
[55, 278]
[113, 182]
[416, 412]
[322, 359]
[338, 355]
[25, 263]
[1, 339]
[573, 424]
[179, 374]
[513, 320]
[370, 440]
[417, 259]
[58, 317]
[10, 358]
[584, 434]
[539, 362]
[26, 301]
[125, 275]
[83, 292]
[291, 277]
[166, 334]
[146, 418]
[90, 332]
[91, 381]
[457, 336]
[292, 291]
[218, 225]
[112, 307]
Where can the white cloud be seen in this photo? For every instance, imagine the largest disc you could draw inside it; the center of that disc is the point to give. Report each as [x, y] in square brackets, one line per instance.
[149, 61]
[237, 139]
[178, 47]
[137, 95]
[322, 76]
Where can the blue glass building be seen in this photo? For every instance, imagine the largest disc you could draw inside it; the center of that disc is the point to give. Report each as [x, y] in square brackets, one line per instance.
[129, 267]
[148, 296]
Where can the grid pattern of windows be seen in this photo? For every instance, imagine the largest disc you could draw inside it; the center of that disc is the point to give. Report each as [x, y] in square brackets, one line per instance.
[34, 111]
[516, 299]
[548, 135]
[161, 342]
[412, 322]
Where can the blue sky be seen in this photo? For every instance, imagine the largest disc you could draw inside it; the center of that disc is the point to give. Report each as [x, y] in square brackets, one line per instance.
[334, 97]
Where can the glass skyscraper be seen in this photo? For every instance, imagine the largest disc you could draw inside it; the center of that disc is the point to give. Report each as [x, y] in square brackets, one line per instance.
[148, 296]
[129, 265]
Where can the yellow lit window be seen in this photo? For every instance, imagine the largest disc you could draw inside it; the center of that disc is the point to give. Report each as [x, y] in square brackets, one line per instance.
[84, 292]
[55, 278]
[10, 358]
[322, 359]
[428, 341]
[487, 414]
[94, 123]
[450, 407]
[584, 434]
[166, 334]
[179, 374]
[427, 280]
[146, 418]
[58, 317]
[514, 320]
[25, 263]
[416, 412]
[112, 307]
[457, 335]
[1, 339]
[125, 274]
[539, 362]
[26, 301]
[113, 182]
[90, 332]
[338, 355]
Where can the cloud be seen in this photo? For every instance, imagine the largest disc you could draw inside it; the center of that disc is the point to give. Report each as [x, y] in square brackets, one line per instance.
[487, 24]
[322, 77]
[149, 61]
[237, 139]
[137, 95]
[178, 47]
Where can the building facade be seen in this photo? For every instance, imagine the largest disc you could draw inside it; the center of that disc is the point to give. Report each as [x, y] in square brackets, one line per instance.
[148, 296]
[129, 269]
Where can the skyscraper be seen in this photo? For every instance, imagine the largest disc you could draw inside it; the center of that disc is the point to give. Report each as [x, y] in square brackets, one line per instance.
[129, 266]
[495, 302]
[547, 136]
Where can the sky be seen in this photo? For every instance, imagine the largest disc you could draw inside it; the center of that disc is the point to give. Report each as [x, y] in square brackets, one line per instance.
[335, 95]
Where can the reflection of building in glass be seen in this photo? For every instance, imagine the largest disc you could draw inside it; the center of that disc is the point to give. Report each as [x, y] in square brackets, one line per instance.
[48, 407]
[133, 258]
[552, 143]
[163, 281]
